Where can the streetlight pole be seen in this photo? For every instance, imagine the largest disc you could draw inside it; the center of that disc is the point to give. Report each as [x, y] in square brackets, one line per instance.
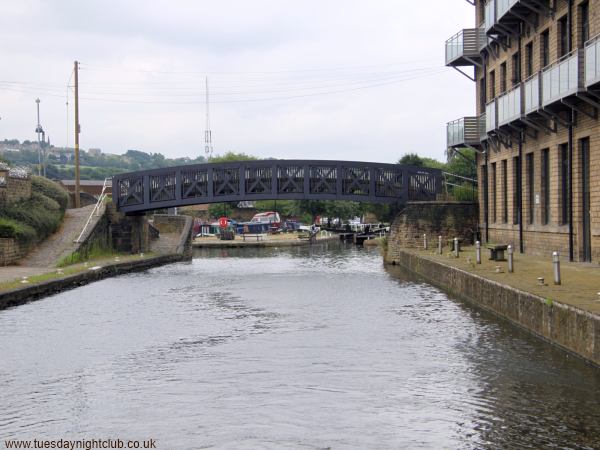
[40, 134]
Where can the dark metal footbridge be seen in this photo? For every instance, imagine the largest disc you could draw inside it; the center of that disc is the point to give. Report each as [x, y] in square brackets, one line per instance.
[274, 180]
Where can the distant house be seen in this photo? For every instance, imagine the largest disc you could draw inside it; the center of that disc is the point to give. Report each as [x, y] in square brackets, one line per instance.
[94, 152]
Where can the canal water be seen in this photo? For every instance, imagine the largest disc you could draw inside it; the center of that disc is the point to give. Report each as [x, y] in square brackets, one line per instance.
[285, 348]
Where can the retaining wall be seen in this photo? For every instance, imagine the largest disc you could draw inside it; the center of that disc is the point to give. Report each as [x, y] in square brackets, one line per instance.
[446, 219]
[568, 327]
[183, 225]
[14, 189]
[10, 251]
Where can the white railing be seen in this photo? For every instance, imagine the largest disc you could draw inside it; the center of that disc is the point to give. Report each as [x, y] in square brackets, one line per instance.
[531, 94]
[490, 116]
[509, 106]
[97, 209]
[592, 61]
[561, 79]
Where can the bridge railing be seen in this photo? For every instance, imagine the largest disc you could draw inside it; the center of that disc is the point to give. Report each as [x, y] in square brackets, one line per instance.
[274, 180]
[459, 188]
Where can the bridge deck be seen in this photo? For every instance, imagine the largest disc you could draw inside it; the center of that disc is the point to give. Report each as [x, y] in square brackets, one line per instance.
[274, 180]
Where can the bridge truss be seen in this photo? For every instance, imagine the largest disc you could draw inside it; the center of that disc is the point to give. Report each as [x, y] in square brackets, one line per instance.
[274, 180]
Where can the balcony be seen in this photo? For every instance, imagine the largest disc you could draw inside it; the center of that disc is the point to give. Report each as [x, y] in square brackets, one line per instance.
[463, 132]
[503, 7]
[490, 15]
[462, 49]
[509, 106]
[490, 116]
[592, 62]
[531, 94]
[563, 78]
[484, 40]
[482, 131]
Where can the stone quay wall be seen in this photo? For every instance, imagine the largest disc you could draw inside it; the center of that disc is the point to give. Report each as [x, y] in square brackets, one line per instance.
[183, 225]
[570, 328]
[446, 219]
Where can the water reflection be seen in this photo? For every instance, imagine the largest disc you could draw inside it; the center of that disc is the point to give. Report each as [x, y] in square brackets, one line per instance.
[286, 348]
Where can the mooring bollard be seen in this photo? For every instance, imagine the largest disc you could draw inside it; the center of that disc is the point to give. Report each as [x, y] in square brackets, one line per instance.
[556, 263]
[456, 247]
[478, 252]
[511, 267]
[425, 241]
[439, 245]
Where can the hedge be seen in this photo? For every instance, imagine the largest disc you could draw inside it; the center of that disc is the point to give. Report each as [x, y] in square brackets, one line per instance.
[13, 229]
[50, 189]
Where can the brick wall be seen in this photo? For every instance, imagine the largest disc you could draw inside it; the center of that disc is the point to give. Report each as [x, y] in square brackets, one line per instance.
[446, 219]
[540, 236]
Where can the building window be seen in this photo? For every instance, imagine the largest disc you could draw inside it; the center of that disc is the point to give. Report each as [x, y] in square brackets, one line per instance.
[545, 186]
[503, 77]
[529, 59]
[584, 13]
[516, 190]
[492, 84]
[516, 69]
[494, 192]
[563, 31]
[530, 187]
[563, 151]
[545, 48]
[504, 191]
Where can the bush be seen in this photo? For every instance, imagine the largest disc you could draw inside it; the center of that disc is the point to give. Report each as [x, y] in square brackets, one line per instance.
[12, 229]
[39, 212]
[50, 189]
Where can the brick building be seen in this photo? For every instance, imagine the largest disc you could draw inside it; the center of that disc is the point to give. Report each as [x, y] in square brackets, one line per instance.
[536, 71]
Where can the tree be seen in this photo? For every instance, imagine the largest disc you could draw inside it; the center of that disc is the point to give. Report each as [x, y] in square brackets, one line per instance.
[412, 159]
[232, 156]
[462, 162]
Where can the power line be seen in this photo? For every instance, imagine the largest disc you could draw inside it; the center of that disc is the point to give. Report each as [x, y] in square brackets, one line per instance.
[101, 96]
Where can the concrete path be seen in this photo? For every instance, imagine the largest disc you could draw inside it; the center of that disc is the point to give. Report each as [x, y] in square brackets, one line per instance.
[49, 252]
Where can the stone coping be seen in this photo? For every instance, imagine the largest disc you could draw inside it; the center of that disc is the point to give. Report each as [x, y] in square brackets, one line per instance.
[569, 325]
[43, 289]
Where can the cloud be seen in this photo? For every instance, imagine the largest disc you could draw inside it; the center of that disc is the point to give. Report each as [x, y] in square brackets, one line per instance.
[289, 79]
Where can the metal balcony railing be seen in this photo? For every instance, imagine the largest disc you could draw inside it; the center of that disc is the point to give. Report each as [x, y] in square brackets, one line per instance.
[503, 6]
[563, 78]
[490, 15]
[484, 41]
[509, 106]
[531, 94]
[490, 116]
[462, 49]
[482, 125]
[592, 61]
[463, 131]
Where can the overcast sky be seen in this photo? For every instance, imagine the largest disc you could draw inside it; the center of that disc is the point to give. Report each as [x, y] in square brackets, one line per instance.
[327, 79]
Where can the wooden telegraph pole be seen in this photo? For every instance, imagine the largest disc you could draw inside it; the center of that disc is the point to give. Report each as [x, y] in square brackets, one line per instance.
[77, 129]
